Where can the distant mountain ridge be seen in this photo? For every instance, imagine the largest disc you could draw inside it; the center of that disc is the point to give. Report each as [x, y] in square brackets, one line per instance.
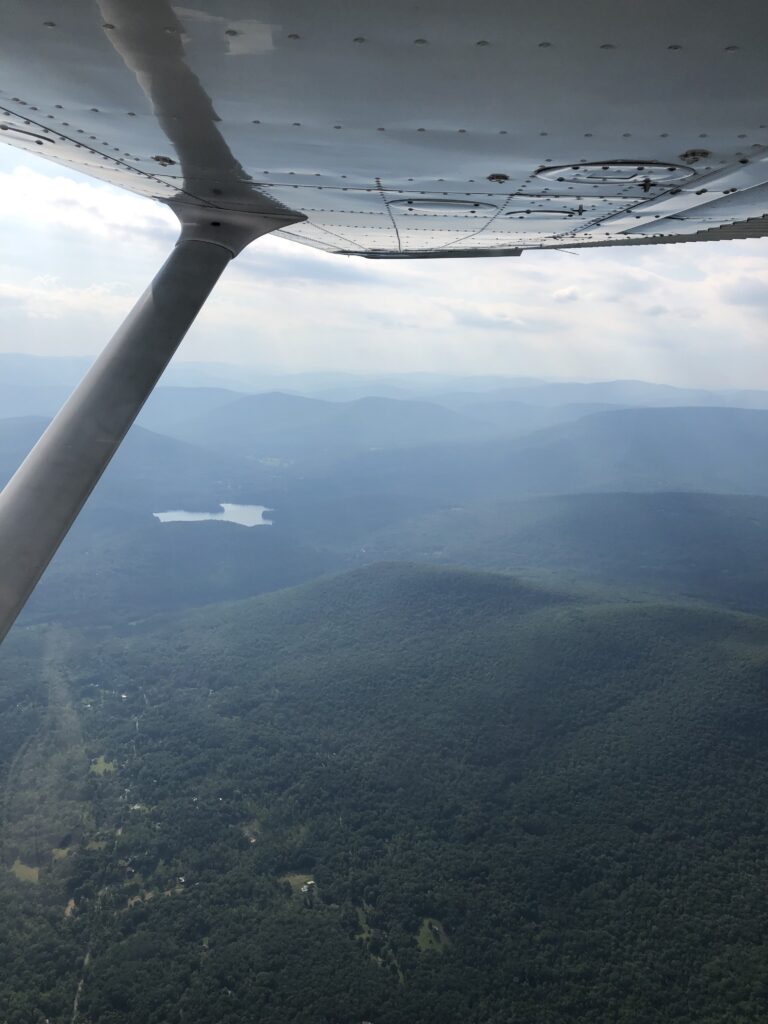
[697, 449]
[609, 392]
[65, 371]
[165, 406]
[277, 425]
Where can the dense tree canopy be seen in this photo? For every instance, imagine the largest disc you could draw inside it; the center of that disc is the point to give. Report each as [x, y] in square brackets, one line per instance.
[402, 794]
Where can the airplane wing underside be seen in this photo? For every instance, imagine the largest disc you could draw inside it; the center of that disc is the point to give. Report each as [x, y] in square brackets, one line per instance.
[437, 128]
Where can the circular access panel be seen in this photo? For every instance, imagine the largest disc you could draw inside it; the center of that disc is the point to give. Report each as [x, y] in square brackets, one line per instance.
[442, 207]
[618, 172]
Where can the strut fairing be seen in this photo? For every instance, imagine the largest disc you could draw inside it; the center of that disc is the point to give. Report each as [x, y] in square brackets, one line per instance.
[415, 128]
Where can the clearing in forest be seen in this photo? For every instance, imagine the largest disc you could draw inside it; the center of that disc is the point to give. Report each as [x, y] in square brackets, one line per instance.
[431, 935]
[101, 765]
[24, 872]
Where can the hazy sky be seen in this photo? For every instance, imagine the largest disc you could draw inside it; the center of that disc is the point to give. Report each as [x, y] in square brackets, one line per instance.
[75, 254]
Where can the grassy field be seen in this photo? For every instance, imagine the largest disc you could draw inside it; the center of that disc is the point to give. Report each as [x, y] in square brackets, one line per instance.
[24, 872]
[101, 765]
[431, 936]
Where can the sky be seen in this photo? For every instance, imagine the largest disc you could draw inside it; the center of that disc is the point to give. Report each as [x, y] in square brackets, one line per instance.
[75, 254]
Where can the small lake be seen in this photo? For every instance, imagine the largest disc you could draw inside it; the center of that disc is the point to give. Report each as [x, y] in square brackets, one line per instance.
[243, 515]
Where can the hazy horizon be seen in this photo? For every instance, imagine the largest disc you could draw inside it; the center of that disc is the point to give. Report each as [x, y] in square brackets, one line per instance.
[179, 371]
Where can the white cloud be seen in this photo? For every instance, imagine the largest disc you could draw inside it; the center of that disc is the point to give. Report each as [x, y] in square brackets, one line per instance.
[746, 291]
[46, 298]
[38, 200]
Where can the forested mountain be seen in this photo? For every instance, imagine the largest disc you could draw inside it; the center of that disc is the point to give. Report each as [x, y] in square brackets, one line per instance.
[117, 568]
[516, 418]
[279, 426]
[514, 805]
[706, 546]
[698, 449]
[167, 406]
[119, 562]
[250, 417]
[149, 471]
[116, 565]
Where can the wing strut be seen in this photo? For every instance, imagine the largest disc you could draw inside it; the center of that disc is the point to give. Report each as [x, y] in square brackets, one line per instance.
[43, 498]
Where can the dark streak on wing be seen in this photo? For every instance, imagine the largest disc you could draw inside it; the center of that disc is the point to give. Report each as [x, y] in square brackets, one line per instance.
[148, 36]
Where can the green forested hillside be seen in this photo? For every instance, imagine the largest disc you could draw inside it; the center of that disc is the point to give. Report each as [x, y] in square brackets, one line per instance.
[711, 547]
[459, 503]
[130, 566]
[516, 806]
[123, 565]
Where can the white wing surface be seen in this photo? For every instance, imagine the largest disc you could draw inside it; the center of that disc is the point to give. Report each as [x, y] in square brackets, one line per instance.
[409, 129]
